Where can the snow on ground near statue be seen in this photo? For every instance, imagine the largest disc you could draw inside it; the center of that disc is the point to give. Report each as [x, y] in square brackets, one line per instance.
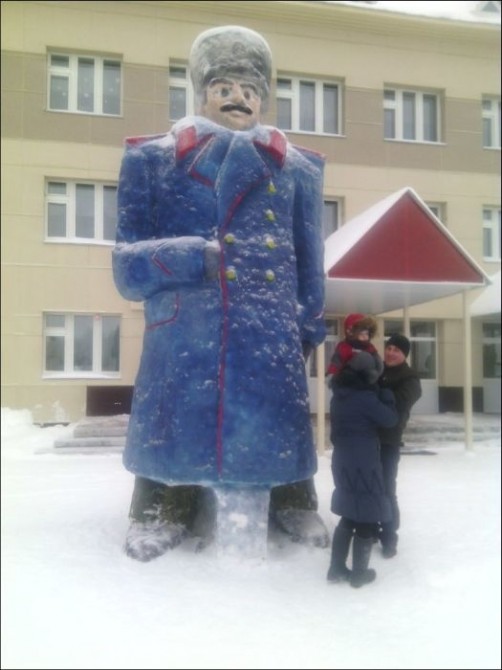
[72, 599]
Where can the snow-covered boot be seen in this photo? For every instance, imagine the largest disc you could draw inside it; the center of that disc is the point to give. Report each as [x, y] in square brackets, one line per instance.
[302, 525]
[146, 540]
[338, 571]
[361, 552]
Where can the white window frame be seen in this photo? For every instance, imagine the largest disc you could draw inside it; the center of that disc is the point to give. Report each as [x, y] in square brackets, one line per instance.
[184, 83]
[491, 230]
[439, 210]
[338, 222]
[492, 116]
[67, 332]
[70, 201]
[71, 74]
[293, 94]
[397, 106]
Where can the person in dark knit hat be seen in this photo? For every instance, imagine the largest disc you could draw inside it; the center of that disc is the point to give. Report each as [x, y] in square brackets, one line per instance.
[358, 408]
[405, 384]
[359, 331]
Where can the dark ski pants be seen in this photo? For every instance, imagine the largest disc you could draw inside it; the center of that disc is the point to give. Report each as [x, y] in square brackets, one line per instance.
[389, 456]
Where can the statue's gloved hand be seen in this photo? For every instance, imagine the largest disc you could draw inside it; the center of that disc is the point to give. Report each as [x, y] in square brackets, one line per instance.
[211, 260]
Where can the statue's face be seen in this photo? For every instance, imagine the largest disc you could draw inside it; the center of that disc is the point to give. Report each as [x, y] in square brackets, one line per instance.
[233, 103]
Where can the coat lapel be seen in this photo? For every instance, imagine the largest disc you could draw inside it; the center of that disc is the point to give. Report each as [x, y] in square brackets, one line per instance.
[230, 162]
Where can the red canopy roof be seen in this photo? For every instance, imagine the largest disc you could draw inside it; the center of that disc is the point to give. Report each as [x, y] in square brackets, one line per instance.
[395, 254]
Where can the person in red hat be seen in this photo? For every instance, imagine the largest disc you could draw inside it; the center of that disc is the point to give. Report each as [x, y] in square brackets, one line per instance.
[359, 331]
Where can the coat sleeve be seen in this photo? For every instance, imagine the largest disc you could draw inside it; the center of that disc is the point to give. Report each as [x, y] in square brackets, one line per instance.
[309, 249]
[142, 264]
[382, 409]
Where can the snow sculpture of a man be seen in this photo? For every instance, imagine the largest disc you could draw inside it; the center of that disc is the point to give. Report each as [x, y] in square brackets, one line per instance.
[219, 234]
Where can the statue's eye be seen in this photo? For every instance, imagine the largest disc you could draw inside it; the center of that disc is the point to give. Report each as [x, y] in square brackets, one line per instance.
[225, 91]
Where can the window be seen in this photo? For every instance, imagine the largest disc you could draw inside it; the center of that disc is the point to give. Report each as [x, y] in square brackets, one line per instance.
[439, 210]
[491, 350]
[81, 345]
[423, 356]
[80, 212]
[84, 84]
[181, 97]
[308, 105]
[330, 217]
[491, 234]
[491, 123]
[411, 115]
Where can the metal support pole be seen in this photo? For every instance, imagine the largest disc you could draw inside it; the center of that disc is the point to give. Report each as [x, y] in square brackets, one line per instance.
[321, 399]
[467, 373]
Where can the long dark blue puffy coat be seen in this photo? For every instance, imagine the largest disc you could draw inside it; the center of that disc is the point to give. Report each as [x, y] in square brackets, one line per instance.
[357, 411]
[221, 393]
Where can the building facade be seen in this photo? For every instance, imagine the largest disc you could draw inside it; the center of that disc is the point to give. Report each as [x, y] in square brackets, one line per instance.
[391, 99]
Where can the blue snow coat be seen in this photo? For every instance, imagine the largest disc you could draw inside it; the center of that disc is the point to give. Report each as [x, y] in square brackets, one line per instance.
[357, 410]
[221, 393]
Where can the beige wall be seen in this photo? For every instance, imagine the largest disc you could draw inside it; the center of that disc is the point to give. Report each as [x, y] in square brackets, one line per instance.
[366, 50]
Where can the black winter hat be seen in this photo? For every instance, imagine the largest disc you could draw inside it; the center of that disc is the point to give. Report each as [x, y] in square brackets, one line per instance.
[401, 342]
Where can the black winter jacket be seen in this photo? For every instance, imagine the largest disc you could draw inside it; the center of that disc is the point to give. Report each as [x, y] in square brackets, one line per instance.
[404, 382]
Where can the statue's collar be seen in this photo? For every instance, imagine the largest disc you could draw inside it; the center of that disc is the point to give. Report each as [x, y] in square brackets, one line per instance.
[193, 131]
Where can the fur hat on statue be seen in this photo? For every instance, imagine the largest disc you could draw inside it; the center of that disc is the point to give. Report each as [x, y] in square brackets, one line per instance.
[231, 51]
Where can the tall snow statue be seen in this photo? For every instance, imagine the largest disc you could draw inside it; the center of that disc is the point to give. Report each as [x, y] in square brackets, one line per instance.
[219, 233]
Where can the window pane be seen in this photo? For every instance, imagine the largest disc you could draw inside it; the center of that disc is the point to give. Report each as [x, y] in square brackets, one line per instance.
[284, 84]
[393, 328]
[423, 356]
[85, 96]
[423, 329]
[389, 95]
[307, 106]
[330, 110]
[177, 103]
[60, 61]
[111, 87]
[409, 116]
[56, 224]
[177, 72]
[59, 93]
[487, 243]
[329, 218]
[54, 320]
[54, 353]
[430, 118]
[491, 360]
[284, 116]
[82, 353]
[109, 212]
[111, 344]
[57, 188]
[487, 133]
[389, 123]
[491, 330]
[84, 223]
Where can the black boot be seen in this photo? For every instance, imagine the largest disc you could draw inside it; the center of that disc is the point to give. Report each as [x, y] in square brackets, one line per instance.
[293, 513]
[388, 538]
[160, 518]
[361, 552]
[338, 571]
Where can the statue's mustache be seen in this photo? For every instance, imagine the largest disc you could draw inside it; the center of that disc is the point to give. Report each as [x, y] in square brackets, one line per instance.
[230, 107]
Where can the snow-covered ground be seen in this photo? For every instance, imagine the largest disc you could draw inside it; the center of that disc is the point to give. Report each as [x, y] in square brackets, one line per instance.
[72, 599]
